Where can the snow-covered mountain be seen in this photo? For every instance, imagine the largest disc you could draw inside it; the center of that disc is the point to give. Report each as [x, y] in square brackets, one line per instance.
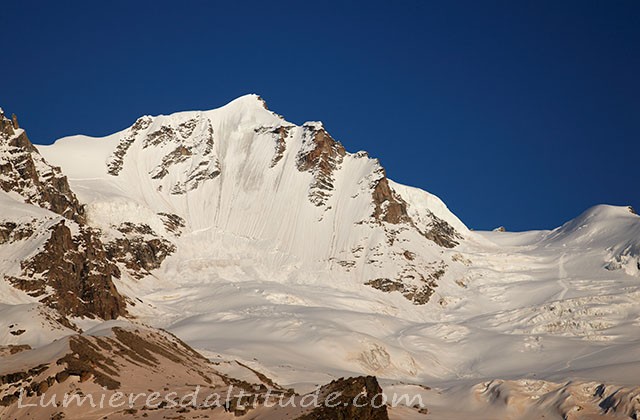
[242, 176]
[257, 240]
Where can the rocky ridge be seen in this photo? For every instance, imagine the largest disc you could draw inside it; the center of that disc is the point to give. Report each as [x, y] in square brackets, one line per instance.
[73, 275]
[23, 171]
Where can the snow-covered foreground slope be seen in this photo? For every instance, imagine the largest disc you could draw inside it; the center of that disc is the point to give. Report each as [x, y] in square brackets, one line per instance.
[254, 239]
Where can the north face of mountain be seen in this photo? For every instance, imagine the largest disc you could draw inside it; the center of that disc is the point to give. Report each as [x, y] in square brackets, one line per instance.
[246, 172]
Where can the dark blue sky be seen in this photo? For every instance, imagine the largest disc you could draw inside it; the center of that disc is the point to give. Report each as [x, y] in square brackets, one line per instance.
[516, 113]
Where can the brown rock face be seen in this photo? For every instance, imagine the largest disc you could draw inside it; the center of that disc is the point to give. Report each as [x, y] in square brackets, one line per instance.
[12, 232]
[116, 160]
[322, 156]
[107, 361]
[193, 142]
[282, 133]
[358, 399]
[179, 154]
[172, 223]
[14, 121]
[419, 295]
[389, 207]
[71, 273]
[279, 134]
[139, 255]
[140, 250]
[25, 172]
[441, 232]
[77, 271]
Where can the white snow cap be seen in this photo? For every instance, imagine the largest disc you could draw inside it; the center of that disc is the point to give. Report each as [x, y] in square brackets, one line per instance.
[249, 101]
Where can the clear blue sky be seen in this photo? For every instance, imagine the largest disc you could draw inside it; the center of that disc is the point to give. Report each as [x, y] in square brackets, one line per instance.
[516, 113]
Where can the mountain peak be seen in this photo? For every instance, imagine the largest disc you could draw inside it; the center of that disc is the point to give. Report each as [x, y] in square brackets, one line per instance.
[250, 99]
[602, 226]
[602, 212]
[8, 127]
[246, 103]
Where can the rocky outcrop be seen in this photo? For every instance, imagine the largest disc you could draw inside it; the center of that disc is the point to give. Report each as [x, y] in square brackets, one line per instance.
[73, 275]
[205, 170]
[25, 377]
[279, 134]
[356, 399]
[193, 143]
[179, 154]
[416, 284]
[440, 232]
[130, 359]
[116, 160]
[282, 133]
[12, 232]
[189, 141]
[139, 255]
[172, 223]
[164, 134]
[574, 399]
[321, 155]
[139, 249]
[418, 295]
[108, 361]
[389, 207]
[13, 349]
[24, 172]
[97, 357]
